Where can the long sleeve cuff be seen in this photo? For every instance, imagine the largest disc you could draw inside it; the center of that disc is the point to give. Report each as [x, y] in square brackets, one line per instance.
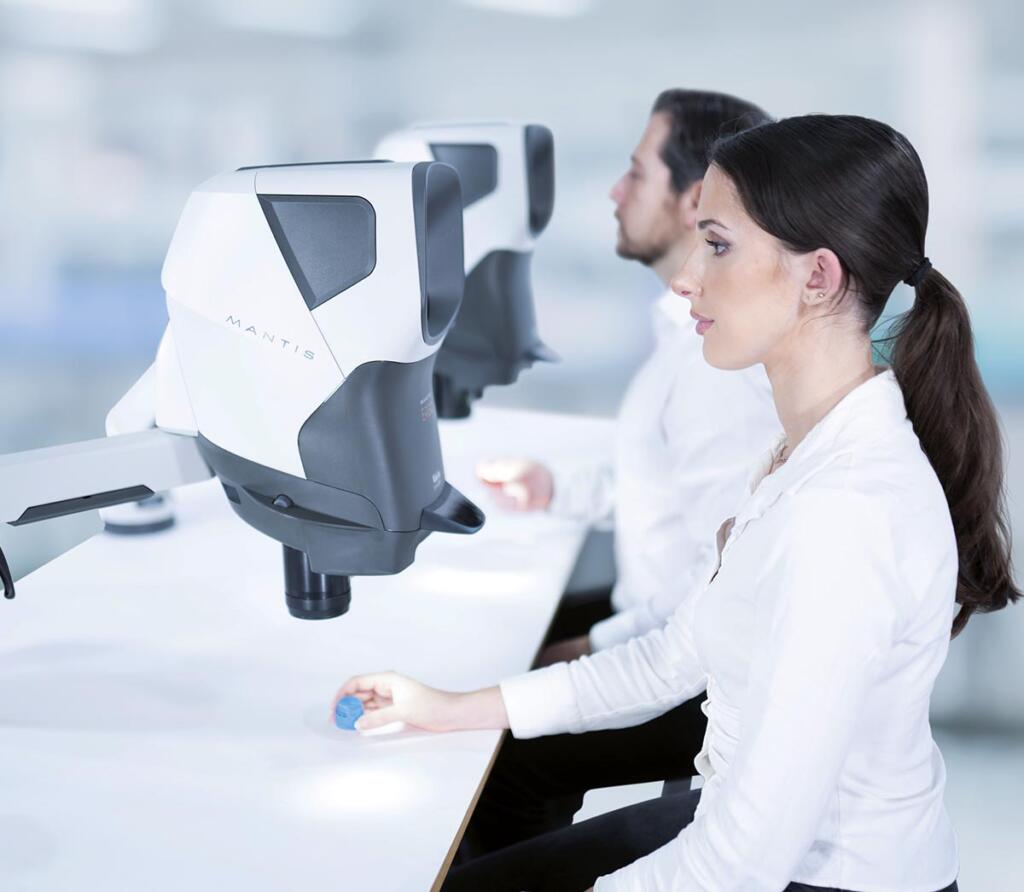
[541, 702]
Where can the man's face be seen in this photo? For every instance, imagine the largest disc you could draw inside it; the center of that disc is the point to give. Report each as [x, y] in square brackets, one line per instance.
[646, 204]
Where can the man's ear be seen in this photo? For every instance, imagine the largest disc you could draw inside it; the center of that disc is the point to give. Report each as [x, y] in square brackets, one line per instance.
[687, 204]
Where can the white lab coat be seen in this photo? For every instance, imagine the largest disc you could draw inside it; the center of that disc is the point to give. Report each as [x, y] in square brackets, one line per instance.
[686, 436]
[819, 641]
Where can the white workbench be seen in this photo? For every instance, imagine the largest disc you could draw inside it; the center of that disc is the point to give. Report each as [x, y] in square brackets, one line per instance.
[164, 723]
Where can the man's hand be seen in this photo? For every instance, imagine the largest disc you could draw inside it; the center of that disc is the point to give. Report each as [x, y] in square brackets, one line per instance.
[518, 484]
[565, 651]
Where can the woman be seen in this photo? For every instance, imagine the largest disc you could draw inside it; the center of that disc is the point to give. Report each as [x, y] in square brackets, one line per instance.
[821, 633]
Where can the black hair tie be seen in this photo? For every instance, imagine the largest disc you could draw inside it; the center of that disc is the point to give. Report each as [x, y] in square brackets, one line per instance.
[920, 271]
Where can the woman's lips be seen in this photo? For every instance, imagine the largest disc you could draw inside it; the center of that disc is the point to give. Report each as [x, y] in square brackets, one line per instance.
[703, 323]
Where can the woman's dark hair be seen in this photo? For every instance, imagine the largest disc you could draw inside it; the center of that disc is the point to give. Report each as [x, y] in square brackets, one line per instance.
[698, 118]
[857, 187]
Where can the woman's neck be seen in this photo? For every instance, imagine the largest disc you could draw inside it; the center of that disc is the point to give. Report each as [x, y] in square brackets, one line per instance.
[808, 381]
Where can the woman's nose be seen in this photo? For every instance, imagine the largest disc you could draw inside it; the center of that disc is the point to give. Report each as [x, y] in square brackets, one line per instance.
[686, 282]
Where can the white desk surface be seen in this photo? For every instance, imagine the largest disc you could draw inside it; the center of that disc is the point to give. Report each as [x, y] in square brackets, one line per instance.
[164, 723]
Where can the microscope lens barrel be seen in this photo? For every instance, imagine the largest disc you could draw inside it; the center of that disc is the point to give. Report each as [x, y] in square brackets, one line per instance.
[311, 595]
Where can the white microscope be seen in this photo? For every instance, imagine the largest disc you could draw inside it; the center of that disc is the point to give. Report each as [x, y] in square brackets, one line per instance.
[508, 192]
[306, 307]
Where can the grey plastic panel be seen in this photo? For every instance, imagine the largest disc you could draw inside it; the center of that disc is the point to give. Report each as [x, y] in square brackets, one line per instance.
[497, 318]
[339, 531]
[374, 485]
[377, 436]
[71, 477]
[437, 210]
[540, 176]
[477, 164]
[309, 499]
[494, 336]
[328, 241]
[63, 507]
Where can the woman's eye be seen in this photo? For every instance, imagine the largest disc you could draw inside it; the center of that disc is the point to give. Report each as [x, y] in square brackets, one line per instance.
[718, 248]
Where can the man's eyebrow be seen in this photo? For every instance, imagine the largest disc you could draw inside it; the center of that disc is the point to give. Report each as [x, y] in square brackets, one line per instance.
[711, 221]
[634, 160]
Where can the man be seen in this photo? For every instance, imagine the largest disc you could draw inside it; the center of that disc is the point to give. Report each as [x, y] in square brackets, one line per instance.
[687, 436]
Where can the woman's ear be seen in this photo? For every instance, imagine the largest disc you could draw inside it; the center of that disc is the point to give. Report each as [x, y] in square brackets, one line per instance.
[825, 279]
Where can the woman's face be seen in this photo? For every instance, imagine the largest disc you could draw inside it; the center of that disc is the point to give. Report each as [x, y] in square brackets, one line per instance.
[746, 290]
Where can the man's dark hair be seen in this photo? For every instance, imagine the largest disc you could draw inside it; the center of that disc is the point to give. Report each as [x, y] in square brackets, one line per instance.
[698, 119]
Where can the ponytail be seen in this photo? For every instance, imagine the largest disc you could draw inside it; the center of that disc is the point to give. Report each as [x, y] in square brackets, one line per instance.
[932, 355]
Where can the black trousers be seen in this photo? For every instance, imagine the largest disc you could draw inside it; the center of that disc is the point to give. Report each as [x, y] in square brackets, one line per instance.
[536, 786]
[571, 859]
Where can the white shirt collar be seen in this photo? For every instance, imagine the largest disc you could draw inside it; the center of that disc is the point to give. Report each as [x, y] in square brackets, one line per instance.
[870, 409]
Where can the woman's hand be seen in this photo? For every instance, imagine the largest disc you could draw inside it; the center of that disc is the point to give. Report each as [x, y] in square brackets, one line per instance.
[389, 697]
[518, 484]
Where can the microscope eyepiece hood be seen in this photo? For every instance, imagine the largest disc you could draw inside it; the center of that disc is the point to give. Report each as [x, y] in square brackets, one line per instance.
[508, 192]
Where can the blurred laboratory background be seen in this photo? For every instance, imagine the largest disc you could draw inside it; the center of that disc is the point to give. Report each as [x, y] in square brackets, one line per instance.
[112, 110]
